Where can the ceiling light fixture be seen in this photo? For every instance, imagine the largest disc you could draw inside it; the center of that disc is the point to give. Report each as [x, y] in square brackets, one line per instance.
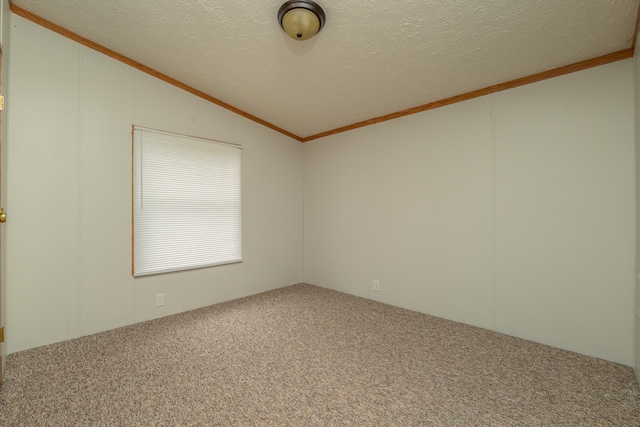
[301, 19]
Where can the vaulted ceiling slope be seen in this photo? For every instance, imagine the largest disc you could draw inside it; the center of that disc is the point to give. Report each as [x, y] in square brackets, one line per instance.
[372, 59]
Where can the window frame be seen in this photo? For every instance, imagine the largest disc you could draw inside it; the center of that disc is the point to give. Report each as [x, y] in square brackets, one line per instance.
[226, 181]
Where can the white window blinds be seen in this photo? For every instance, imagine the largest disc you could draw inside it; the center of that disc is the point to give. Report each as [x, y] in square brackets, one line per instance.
[186, 202]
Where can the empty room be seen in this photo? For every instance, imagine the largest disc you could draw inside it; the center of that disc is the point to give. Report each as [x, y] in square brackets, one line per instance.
[314, 213]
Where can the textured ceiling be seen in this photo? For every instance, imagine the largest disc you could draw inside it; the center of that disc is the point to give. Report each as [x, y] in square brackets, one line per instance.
[373, 57]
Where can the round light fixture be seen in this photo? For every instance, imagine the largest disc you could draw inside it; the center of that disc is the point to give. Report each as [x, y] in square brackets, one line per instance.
[301, 19]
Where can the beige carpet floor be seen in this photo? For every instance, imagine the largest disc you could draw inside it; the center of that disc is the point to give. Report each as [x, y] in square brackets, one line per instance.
[307, 356]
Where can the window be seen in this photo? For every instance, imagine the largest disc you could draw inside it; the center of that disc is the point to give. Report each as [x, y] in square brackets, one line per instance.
[186, 202]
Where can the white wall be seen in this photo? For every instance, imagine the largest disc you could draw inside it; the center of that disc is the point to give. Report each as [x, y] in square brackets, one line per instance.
[513, 212]
[636, 64]
[565, 212]
[69, 193]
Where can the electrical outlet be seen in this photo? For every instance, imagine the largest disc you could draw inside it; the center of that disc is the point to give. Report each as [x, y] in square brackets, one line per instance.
[376, 285]
[159, 300]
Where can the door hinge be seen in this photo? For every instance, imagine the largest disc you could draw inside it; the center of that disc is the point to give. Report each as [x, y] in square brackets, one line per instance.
[1, 335]
[1, 102]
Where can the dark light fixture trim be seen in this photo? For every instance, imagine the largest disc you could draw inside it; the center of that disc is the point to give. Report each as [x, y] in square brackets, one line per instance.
[301, 31]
